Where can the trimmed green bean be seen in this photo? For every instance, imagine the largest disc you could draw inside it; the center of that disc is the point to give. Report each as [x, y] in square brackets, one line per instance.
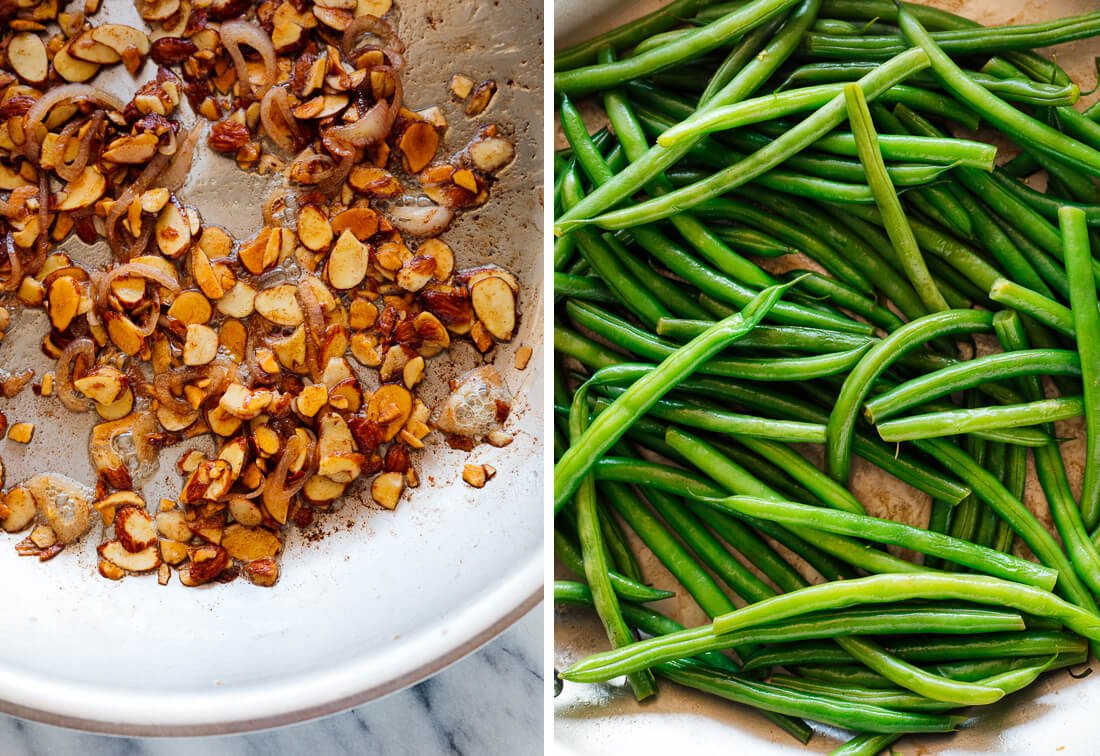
[623, 586]
[955, 422]
[1045, 310]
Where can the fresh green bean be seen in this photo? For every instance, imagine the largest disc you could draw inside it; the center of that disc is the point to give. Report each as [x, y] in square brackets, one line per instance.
[867, 744]
[1045, 310]
[841, 714]
[801, 136]
[950, 423]
[1086, 326]
[612, 423]
[628, 34]
[842, 420]
[894, 220]
[986, 40]
[826, 624]
[827, 490]
[623, 586]
[795, 338]
[1036, 135]
[585, 288]
[884, 531]
[1001, 366]
[597, 77]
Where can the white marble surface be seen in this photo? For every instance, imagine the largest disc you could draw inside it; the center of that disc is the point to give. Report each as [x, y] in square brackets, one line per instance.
[488, 703]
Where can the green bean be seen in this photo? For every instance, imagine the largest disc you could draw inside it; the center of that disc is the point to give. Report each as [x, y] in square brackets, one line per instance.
[842, 420]
[1048, 267]
[659, 287]
[1086, 326]
[878, 589]
[884, 531]
[746, 368]
[826, 624]
[867, 744]
[801, 136]
[960, 256]
[791, 101]
[1017, 89]
[646, 620]
[757, 397]
[1037, 136]
[1002, 366]
[709, 549]
[1045, 310]
[595, 561]
[977, 670]
[611, 424]
[585, 288]
[739, 481]
[950, 423]
[654, 475]
[1042, 203]
[733, 424]
[844, 296]
[990, 490]
[1002, 645]
[657, 40]
[894, 221]
[628, 34]
[744, 19]
[794, 338]
[749, 239]
[700, 585]
[805, 472]
[986, 40]
[841, 714]
[921, 682]
[622, 585]
[755, 73]
[739, 57]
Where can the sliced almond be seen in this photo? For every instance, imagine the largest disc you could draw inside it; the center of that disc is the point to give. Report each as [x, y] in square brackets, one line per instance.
[121, 38]
[390, 407]
[279, 304]
[64, 301]
[361, 221]
[134, 529]
[134, 150]
[433, 335]
[418, 144]
[494, 303]
[200, 346]
[314, 229]
[347, 263]
[145, 560]
[248, 544]
[103, 384]
[71, 69]
[173, 231]
[338, 458]
[173, 525]
[312, 399]
[439, 251]
[27, 57]
[244, 403]
[20, 508]
[191, 307]
[263, 572]
[84, 190]
[238, 302]
[386, 489]
[492, 154]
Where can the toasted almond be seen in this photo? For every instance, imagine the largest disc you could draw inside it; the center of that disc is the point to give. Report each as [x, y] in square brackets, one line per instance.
[432, 333]
[413, 372]
[245, 511]
[481, 96]
[361, 221]
[314, 229]
[173, 231]
[71, 69]
[279, 304]
[121, 38]
[347, 263]
[262, 252]
[145, 560]
[244, 403]
[523, 356]
[191, 307]
[64, 301]
[475, 475]
[386, 489]
[84, 190]
[124, 334]
[364, 348]
[134, 150]
[492, 154]
[291, 350]
[21, 433]
[321, 490]
[108, 506]
[389, 407]
[336, 450]
[134, 528]
[201, 345]
[173, 525]
[439, 251]
[103, 384]
[233, 337]
[110, 570]
[263, 572]
[461, 86]
[27, 57]
[362, 314]
[248, 544]
[418, 144]
[20, 508]
[373, 181]
[494, 303]
[85, 47]
[312, 399]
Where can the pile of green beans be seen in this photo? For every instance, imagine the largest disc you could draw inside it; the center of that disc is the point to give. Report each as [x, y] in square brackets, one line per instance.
[771, 260]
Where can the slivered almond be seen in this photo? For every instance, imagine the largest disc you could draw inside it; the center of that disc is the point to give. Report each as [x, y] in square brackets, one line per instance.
[494, 303]
[134, 529]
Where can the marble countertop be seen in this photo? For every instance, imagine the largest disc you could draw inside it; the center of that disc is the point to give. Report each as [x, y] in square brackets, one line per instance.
[488, 703]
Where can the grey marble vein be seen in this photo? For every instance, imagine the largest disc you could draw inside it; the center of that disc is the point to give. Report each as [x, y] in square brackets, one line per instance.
[489, 703]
